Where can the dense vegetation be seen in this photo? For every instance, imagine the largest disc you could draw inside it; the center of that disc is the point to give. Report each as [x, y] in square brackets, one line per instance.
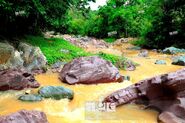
[156, 23]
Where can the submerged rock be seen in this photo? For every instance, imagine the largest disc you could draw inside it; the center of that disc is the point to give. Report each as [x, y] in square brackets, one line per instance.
[25, 116]
[17, 79]
[30, 98]
[143, 53]
[89, 70]
[173, 50]
[162, 62]
[134, 48]
[179, 60]
[56, 92]
[165, 93]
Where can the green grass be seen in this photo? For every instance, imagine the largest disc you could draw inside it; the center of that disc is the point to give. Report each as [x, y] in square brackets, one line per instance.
[52, 50]
[110, 40]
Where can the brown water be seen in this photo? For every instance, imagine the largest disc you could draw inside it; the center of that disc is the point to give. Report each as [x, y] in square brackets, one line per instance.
[65, 111]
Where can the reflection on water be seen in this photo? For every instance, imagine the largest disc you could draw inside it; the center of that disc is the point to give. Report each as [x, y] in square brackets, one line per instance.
[65, 111]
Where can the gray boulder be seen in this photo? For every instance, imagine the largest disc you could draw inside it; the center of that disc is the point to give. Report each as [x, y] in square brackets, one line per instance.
[179, 60]
[30, 98]
[143, 53]
[32, 56]
[56, 92]
[9, 57]
[173, 50]
[161, 62]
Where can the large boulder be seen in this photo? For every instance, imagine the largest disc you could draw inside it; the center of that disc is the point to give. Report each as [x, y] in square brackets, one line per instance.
[56, 92]
[179, 60]
[25, 116]
[17, 79]
[173, 50]
[27, 56]
[89, 70]
[32, 56]
[165, 93]
[9, 57]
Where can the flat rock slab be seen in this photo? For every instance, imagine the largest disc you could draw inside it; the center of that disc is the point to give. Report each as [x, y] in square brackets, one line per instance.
[30, 98]
[25, 116]
[56, 92]
[165, 93]
[17, 79]
[90, 70]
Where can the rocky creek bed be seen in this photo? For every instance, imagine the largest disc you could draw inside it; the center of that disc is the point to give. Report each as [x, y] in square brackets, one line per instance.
[69, 104]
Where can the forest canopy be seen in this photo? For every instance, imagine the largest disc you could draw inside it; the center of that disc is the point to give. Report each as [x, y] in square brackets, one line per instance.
[156, 23]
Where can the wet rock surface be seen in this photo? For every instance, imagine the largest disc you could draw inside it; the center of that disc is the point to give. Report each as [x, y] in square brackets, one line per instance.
[30, 98]
[17, 79]
[165, 93]
[160, 62]
[173, 50]
[56, 92]
[89, 70]
[179, 60]
[25, 116]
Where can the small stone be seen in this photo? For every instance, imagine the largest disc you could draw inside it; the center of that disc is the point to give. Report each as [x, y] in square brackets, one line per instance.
[162, 62]
[30, 98]
[143, 53]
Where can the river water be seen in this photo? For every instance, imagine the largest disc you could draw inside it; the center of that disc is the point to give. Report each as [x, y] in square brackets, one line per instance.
[65, 111]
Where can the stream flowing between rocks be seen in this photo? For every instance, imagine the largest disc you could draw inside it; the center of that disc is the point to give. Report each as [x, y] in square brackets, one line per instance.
[65, 111]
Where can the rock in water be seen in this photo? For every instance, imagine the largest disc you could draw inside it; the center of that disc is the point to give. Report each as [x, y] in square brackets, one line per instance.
[173, 50]
[56, 92]
[89, 70]
[161, 62]
[143, 53]
[30, 98]
[25, 116]
[164, 92]
[179, 60]
[17, 79]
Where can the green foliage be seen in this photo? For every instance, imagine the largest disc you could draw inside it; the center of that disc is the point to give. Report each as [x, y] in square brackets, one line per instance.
[110, 40]
[31, 16]
[139, 42]
[118, 61]
[52, 48]
[171, 20]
